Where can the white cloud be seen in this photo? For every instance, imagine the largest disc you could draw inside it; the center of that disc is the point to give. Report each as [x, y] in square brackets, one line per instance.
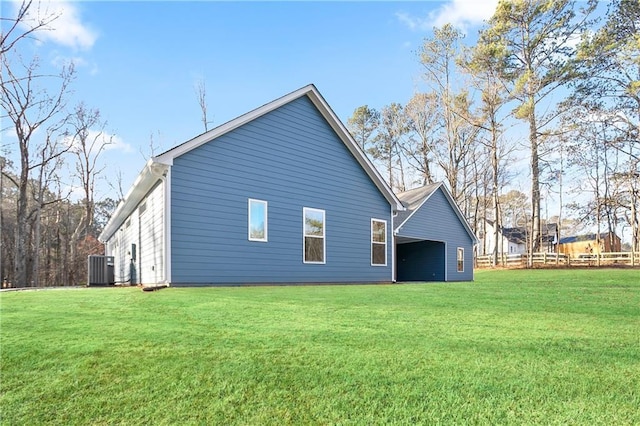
[67, 29]
[111, 142]
[118, 144]
[60, 61]
[459, 13]
[414, 23]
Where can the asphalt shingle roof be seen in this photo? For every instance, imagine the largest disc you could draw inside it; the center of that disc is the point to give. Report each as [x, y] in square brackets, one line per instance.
[413, 199]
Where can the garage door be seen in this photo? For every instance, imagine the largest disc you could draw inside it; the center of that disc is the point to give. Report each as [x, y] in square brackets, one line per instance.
[421, 261]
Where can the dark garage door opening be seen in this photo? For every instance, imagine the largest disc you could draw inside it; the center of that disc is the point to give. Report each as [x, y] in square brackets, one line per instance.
[421, 261]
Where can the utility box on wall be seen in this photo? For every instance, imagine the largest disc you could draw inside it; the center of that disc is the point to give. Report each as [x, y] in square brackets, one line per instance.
[100, 270]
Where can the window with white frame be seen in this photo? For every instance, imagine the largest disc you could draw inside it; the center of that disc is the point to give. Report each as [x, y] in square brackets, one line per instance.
[257, 220]
[314, 235]
[460, 259]
[378, 242]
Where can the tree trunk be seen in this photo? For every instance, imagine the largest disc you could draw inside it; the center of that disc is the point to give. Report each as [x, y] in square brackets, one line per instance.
[36, 248]
[494, 192]
[534, 243]
[20, 259]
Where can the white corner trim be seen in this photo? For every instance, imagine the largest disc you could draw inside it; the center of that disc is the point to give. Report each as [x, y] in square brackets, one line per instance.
[167, 226]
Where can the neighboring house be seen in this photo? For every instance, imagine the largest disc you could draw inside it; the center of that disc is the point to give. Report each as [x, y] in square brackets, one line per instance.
[281, 194]
[588, 244]
[510, 240]
[434, 241]
[515, 240]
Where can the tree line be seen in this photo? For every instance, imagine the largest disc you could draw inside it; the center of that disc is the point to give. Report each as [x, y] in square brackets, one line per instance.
[46, 236]
[565, 82]
[568, 80]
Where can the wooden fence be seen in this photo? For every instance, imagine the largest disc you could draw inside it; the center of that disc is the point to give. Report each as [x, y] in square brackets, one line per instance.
[559, 259]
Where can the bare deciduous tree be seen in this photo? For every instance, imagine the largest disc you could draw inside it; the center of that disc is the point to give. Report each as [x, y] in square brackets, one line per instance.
[531, 42]
[386, 149]
[87, 142]
[29, 107]
[483, 71]
[421, 111]
[454, 141]
[201, 92]
[29, 19]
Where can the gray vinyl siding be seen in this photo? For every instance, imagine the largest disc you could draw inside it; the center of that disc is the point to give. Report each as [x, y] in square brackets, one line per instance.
[119, 245]
[292, 159]
[146, 232]
[151, 237]
[436, 220]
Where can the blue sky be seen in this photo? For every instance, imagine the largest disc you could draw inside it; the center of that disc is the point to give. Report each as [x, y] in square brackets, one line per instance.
[139, 62]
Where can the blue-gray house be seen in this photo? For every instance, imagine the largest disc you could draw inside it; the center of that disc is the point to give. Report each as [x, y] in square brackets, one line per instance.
[282, 194]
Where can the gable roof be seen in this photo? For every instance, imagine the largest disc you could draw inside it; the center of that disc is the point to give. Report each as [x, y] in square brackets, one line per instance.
[518, 234]
[157, 166]
[515, 235]
[415, 198]
[412, 200]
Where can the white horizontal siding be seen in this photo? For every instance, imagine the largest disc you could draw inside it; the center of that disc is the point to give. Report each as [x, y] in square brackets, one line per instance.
[151, 248]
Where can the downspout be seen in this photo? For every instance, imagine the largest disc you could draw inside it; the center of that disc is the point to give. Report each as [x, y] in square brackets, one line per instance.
[393, 246]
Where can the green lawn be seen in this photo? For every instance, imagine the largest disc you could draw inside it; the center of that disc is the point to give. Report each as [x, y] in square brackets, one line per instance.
[514, 347]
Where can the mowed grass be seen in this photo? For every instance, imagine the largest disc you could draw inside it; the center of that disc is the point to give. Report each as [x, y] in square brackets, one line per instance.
[513, 347]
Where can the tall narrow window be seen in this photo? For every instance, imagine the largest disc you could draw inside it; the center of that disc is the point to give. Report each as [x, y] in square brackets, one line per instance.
[460, 259]
[257, 220]
[378, 242]
[314, 235]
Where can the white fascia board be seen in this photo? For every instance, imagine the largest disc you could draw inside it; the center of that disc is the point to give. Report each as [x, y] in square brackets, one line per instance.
[453, 205]
[151, 172]
[397, 229]
[156, 166]
[312, 92]
[168, 156]
[353, 147]
[458, 212]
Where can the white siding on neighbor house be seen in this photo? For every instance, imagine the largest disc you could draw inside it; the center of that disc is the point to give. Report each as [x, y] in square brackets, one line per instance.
[151, 237]
[505, 246]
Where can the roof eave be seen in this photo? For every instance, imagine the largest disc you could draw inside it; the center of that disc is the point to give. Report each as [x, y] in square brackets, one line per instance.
[151, 172]
[354, 148]
[453, 204]
[316, 98]
[157, 166]
[438, 185]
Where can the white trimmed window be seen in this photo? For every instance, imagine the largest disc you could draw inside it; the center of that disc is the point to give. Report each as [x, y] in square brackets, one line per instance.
[314, 235]
[257, 220]
[378, 242]
[460, 259]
